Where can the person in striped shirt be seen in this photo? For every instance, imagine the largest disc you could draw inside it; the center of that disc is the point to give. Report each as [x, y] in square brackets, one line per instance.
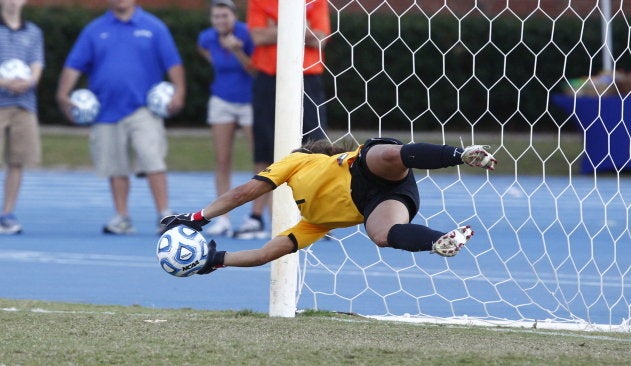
[21, 44]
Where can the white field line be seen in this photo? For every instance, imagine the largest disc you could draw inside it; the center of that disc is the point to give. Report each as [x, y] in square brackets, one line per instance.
[93, 259]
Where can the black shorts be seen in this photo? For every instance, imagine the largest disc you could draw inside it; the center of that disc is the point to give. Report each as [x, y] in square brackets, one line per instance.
[264, 105]
[368, 190]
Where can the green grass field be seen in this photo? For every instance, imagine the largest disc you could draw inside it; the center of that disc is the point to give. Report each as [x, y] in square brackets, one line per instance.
[42, 333]
[191, 150]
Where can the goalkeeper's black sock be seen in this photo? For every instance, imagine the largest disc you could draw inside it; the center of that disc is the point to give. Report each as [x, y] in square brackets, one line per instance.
[423, 155]
[412, 237]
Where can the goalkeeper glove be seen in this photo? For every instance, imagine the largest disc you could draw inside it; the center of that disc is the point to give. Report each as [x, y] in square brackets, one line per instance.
[477, 156]
[193, 220]
[214, 260]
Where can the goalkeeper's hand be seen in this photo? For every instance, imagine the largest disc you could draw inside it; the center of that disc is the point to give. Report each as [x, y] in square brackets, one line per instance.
[191, 220]
[477, 156]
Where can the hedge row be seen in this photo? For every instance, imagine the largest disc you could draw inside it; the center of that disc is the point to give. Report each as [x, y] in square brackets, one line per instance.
[440, 73]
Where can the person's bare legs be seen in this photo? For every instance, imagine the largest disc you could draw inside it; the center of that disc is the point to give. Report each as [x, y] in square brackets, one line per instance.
[249, 137]
[12, 183]
[223, 142]
[159, 190]
[253, 227]
[120, 192]
[223, 135]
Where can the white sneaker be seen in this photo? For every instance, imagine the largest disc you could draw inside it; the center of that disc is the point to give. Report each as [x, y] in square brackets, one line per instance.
[449, 244]
[119, 225]
[251, 229]
[9, 224]
[221, 227]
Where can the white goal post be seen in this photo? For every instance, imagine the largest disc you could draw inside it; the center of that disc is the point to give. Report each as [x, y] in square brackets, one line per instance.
[552, 244]
[287, 136]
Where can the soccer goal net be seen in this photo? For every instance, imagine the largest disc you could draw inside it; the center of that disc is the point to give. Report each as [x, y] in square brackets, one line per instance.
[545, 86]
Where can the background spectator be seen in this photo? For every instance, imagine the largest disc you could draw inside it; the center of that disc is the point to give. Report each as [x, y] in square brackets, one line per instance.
[227, 46]
[124, 53]
[19, 126]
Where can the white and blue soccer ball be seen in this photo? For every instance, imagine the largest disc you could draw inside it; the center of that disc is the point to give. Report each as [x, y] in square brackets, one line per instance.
[15, 69]
[159, 97]
[182, 251]
[85, 106]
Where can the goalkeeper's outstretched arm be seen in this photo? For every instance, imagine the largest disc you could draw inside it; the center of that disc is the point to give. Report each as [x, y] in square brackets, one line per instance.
[223, 204]
[236, 197]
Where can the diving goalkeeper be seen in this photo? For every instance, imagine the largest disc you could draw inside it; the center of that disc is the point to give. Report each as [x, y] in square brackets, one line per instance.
[335, 188]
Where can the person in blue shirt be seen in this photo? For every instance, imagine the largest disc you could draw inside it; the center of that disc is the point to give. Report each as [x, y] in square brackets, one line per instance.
[124, 53]
[227, 46]
[19, 126]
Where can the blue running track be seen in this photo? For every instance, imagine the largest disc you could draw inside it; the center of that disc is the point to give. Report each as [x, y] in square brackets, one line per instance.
[557, 247]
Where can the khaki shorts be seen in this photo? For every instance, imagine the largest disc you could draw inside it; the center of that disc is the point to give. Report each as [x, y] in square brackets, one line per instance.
[19, 136]
[141, 133]
[222, 112]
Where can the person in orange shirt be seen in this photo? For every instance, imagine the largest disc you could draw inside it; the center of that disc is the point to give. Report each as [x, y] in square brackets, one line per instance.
[262, 20]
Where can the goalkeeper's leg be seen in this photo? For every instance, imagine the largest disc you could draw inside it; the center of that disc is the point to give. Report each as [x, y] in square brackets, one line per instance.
[388, 226]
[416, 238]
[391, 161]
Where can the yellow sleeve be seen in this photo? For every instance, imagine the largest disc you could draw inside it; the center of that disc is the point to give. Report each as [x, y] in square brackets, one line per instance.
[304, 234]
[280, 171]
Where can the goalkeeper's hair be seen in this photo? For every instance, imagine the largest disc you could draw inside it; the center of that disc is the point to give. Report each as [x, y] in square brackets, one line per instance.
[324, 147]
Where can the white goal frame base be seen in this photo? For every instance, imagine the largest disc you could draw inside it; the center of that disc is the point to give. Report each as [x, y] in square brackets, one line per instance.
[546, 324]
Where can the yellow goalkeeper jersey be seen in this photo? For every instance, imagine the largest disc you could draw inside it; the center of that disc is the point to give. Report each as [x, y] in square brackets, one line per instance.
[321, 187]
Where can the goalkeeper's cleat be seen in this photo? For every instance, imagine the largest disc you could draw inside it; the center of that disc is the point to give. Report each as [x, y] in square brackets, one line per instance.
[214, 259]
[477, 156]
[450, 244]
